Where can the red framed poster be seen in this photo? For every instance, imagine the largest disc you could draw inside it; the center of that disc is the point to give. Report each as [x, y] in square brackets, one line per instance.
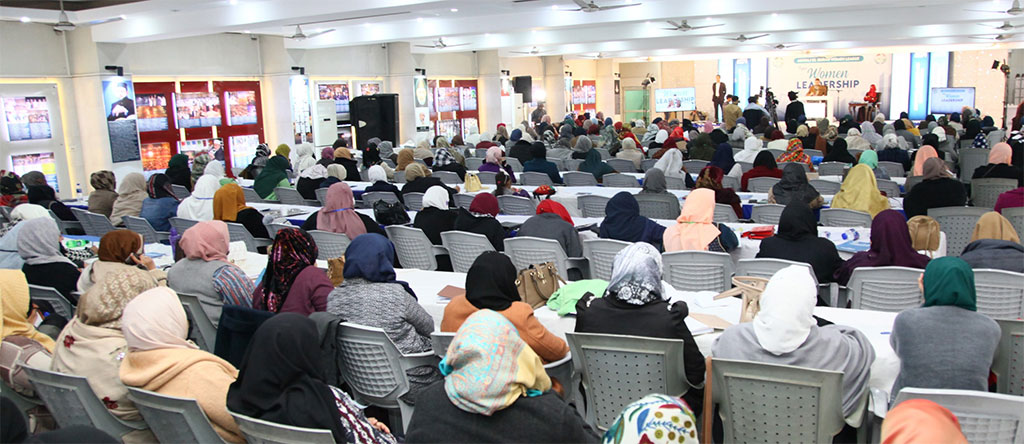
[584, 96]
[454, 107]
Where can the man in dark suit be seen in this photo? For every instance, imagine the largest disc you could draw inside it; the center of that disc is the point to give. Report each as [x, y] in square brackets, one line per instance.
[718, 97]
[124, 107]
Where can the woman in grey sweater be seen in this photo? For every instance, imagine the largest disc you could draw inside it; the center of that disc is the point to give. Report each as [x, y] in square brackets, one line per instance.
[946, 343]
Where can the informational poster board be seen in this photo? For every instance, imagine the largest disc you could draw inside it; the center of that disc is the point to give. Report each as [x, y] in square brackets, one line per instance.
[155, 156]
[421, 105]
[197, 109]
[28, 118]
[302, 120]
[243, 149]
[152, 112]
[367, 87]
[339, 93]
[675, 99]
[193, 148]
[43, 162]
[241, 107]
[119, 105]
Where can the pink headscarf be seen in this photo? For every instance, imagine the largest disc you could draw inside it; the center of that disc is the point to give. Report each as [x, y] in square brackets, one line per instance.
[154, 320]
[493, 154]
[708, 127]
[339, 213]
[694, 230]
[207, 240]
[926, 152]
[327, 153]
[1001, 153]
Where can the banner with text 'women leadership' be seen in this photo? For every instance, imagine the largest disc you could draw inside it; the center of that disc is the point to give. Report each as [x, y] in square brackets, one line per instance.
[847, 76]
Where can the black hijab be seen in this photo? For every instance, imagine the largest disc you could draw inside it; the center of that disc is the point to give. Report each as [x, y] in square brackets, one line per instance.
[765, 159]
[281, 377]
[538, 151]
[797, 222]
[41, 194]
[838, 153]
[159, 186]
[718, 136]
[794, 186]
[491, 282]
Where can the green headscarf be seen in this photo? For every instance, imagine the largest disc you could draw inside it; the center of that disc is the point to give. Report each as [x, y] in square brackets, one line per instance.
[592, 164]
[869, 158]
[283, 150]
[178, 161]
[949, 281]
[271, 175]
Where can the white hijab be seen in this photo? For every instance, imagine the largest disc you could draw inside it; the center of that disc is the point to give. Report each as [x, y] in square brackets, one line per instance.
[671, 163]
[304, 157]
[661, 137]
[199, 205]
[940, 132]
[376, 173]
[854, 141]
[436, 197]
[751, 146]
[215, 168]
[787, 308]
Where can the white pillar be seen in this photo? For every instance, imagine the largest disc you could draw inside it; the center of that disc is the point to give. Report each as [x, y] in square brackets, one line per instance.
[554, 87]
[401, 69]
[489, 89]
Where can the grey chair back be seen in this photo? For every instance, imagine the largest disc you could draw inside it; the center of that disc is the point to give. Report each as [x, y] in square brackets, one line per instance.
[180, 191]
[526, 250]
[766, 268]
[842, 217]
[675, 183]
[891, 289]
[93, 224]
[985, 418]
[1000, 293]
[474, 163]
[204, 331]
[517, 206]
[647, 164]
[273, 228]
[60, 304]
[238, 233]
[321, 196]
[258, 431]
[487, 177]
[825, 187]
[694, 166]
[447, 177]
[655, 206]
[572, 164]
[619, 180]
[412, 246]
[251, 196]
[746, 166]
[373, 196]
[330, 245]
[463, 200]
[814, 153]
[776, 153]
[463, 248]
[970, 160]
[173, 419]
[889, 187]
[601, 255]
[806, 167]
[143, 227]
[698, 270]
[893, 169]
[439, 342]
[399, 177]
[911, 181]
[72, 401]
[181, 224]
[767, 213]
[514, 163]
[533, 178]
[290, 196]
[413, 201]
[761, 184]
[5, 214]
[995, 136]
[831, 169]
[622, 165]
[985, 192]
[731, 182]
[481, 152]
[1009, 355]
[605, 154]
[559, 164]
[579, 179]
[1016, 217]
[958, 224]
[592, 205]
[725, 213]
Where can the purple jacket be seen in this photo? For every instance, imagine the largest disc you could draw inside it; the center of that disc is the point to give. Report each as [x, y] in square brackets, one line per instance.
[494, 168]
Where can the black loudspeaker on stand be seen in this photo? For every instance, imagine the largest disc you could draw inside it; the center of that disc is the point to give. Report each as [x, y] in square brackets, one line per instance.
[375, 116]
[523, 85]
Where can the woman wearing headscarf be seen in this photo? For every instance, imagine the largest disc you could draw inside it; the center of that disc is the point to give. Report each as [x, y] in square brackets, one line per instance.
[12, 191]
[971, 130]
[435, 217]
[338, 215]
[326, 157]
[937, 189]
[335, 174]
[794, 188]
[481, 218]
[870, 158]
[423, 153]
[644, 420]
[405, 158]
[860, 191]
[280, 380]
[723, 159]
[285, 151]
[631, 153]
[907, 132]
[871, 135]
[343, 157]
[199, 204]
[891, 152]
[999, 165]
[838, 152]
[764, 166]
[119, 250]
[700, 149]
[501, 134]
[635, 304]
[931, 354]
[46, 197]
[39, 244]
[488, 347]
[162, 360]
[994, 244]
[751, 147]
[9, 257]
[540, 164]
[378, 178]
[553, 222]
[444, 160]
[803, 134]
[103, 196]
[623, 222]
[711, 178]
[206, 272]
[178, 171]
[17, 306]
[784, 332]
[229, 206]
[274, 175]
[254, 168]
[582, 146]
[593, 164]
[890, 246]
[292, 283]
[309, 180]
[672, 165]
[797, 240]
[419, 180]
[304, 157]
[199, 163]
[855, 141]
[776, 141]
[695, 230]
[921, 421]
[494, 161]
[795, 153]
[611, 137]
[655, 187]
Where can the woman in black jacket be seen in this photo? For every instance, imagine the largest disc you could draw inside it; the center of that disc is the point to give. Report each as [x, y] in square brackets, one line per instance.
[797, 240]
[999, 166]
[343, 157]
[418, 180]
[435, 217]
[480, 219]
[937, 189]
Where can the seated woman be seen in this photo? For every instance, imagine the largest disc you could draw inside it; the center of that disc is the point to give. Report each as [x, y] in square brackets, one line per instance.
[1010, 199]
[931, 354]
[891, 151]
[494, 161]
[274, 175]
[436, 216]
[751, 148]
[859, 191]
[292, 283]
[592, 164]
[488, 347]
[634, 423]
[723, 158]
[838, 152]
[553, 222]
[46, 197]
[309, 180]
[491, 285]
[794, 187]
[178, 171]
[764, 166]
[229, 206]
[161, 204]
[630, 152]
[327, 153]
[372, 296]
[785, 332]
[711, 178]
[338, 215]
[130, 195]
[335, 173]
[119, 250]
[101, 200]
[937, 189]
[635, 304]
[39, 244]
[890, 246]
[419, 180]
[870, 158]
[926, 152]
[284, 354]
[994, 244]
[343, 157]
[378, 179]
[921, 421]
[481, 219]
[656, 187]
[540, 163]
[160, 359]
[206, 272]
[855, 141]
[199, 204]
[444, 160]
[12, 192]
[795, 153]
[999, 165]
[503, 185]
[797, 240]
[695, 230]
[623, 221]
[17, 308]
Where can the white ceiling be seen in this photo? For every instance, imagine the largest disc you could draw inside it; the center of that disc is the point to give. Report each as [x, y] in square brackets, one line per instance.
[548, 25]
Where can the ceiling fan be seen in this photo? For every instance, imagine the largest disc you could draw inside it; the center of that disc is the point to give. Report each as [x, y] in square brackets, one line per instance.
[300, 35]
[742, 38]
[599, 55]
[590, 6]
[997, 38]
[683, 26]
[1006, 26]
[532, 51]
[781, 46]
[440, 44]
[1015, 9]
[64, 24]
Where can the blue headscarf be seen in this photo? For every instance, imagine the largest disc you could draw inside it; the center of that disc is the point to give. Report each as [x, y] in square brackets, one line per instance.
[723, 157]
[372, 256]
[623, 221]
[607, 121]
[516, 135]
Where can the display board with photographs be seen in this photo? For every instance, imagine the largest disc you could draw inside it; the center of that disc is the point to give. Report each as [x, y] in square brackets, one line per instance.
[584, 93]
[197, 109]
[241, 107]
[151, 112]
[367, 87]
[119, 103]
[468, 98]
[446, 99]
[193, 148]
[155, 156]
[448, 128]
[28, 118]
[470, 126]
[336, 91]
[243, 149]
[44, 162]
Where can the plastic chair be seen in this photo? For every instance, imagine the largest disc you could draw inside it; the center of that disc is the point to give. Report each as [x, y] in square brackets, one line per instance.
[1000, 293]
[487, 177]
[814, 153]
[984, 417]
[399, 177]
[258, 431]
[958, 224]
[601, 255]
[579, 179]
[517, 167]
[73, 402]
[375, 370]
[474, 163]
[526, 250]
[413, 248]
[439, 342]
[572, 164]
[480, 153]
[730, 182]
[413, 201]
[605, 154]
[66, 226]
[1008, 364]
[93, 224]
[204, 332]
[831, 169]
[173, 419]
[5, 214]
[180, 191]
[675, 183]
[657, 207]
[995, 136]
[617, 370]
[330, 245]
[724, 213]
[893, 169]
[372, 197]
[447, 177]
[622, 165]
[786, 403]
[985, 192]
[767, 267]
[1016, 217]
[890, 188]
[273, 228]
[767, 213]
[60, 304]
[970, 160]
[698, 270]
[516, 206]
[745, 166]
[180, 224]
[592, 205]
[143, 227]
[761, 184]
[464, 200]
[694, 166]
[776, 152]
[291, 196]
[842, 217]
[321, 196]
[533, 178]
[884, 288]
[463, 248]
[647, 164]
[238, 232]
[251, 196]
[825, 187]
[559, 164]
[911, 181]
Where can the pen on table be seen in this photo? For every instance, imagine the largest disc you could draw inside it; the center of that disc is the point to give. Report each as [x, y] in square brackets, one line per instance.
[886, 332]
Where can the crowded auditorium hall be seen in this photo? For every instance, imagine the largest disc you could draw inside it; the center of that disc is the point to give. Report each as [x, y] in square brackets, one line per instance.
[511, 221]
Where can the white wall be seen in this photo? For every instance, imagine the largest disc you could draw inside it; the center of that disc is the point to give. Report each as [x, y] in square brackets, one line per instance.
[31, 50]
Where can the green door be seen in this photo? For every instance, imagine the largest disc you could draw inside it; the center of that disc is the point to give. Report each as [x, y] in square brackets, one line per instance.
[634, 105]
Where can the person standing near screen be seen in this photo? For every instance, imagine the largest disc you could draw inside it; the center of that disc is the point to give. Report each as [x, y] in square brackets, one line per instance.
[124, 107]
[718, 97]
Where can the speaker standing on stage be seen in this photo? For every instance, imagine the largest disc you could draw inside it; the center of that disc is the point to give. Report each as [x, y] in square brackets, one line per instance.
[718, 97]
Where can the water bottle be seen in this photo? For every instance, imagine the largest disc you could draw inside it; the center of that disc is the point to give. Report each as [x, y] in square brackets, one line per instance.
[78, 189]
